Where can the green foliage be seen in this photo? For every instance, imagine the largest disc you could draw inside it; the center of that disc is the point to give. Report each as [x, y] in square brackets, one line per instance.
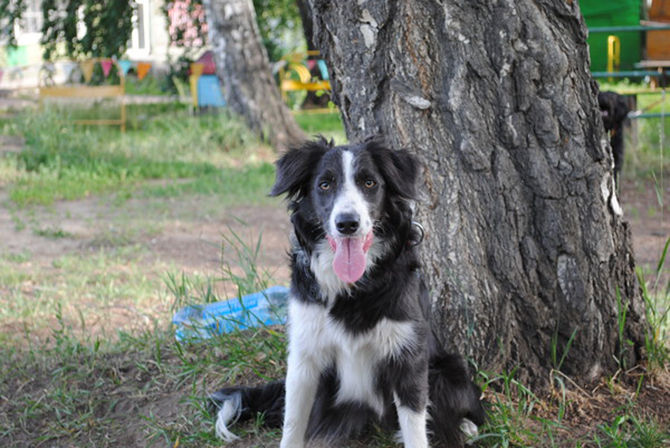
[178, 73]
[277, 19]
[630, 431]
[511, 413]
[108, 27]
[11, 12]
[278, 22]
[150, 85]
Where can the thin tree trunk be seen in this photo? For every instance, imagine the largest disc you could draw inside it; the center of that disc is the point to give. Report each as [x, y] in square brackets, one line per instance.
[243, 66]
[524, 246]
[306, 19]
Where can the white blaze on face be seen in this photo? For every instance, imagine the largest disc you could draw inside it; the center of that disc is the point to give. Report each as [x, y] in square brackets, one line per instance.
[350, 199]
[351, 250]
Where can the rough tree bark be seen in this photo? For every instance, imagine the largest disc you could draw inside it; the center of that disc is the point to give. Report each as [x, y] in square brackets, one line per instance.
[524, 244]
[243, 66]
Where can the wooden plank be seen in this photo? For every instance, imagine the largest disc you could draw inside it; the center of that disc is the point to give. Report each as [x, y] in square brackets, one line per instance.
[81, 92]
[653, 64]
[658, 45]
[659, 10]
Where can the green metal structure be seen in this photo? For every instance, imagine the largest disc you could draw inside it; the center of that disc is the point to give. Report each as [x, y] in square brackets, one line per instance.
[601, 13]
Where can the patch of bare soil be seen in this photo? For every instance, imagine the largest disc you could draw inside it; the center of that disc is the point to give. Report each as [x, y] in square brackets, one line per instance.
[585, 413]
[159, 237]
[128, 389]
[189, 234]
[178, 234]
[649, 220]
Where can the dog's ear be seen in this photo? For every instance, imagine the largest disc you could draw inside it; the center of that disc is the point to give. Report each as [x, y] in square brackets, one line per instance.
[400, 169]
[296, 167]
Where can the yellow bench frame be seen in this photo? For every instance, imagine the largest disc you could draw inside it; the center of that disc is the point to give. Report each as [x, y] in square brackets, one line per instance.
[82, 91]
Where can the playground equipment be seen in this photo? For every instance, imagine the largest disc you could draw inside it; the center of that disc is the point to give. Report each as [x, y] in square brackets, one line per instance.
[296, 73]
[204, 84]
[621, 14]
[80, 91]
[618, 28]
[625, 46]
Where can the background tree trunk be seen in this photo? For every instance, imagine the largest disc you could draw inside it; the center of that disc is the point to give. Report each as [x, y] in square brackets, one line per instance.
[523, 245]
[306, 18]
[243, 66]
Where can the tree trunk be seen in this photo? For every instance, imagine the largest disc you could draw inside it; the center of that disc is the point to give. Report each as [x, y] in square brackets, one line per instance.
[524, 245]
[306, 18]
[242, 64]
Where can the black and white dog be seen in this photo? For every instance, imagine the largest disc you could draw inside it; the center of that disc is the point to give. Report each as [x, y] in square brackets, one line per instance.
[361, 349]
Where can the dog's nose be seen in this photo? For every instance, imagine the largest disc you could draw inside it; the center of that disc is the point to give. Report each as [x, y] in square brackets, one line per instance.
[347, 223]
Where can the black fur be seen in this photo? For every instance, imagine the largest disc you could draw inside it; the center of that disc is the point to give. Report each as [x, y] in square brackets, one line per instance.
[391, 289]
[614, 110]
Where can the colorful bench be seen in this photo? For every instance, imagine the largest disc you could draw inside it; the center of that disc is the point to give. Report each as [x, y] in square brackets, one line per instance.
[86, 92]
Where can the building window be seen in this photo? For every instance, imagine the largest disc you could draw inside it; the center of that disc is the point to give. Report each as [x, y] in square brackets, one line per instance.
[140, 25]
[31, 21]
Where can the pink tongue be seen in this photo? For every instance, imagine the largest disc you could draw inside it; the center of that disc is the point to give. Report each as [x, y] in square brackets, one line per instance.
[349, 262]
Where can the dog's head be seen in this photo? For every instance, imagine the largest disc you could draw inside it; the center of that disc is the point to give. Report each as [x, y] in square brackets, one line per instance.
[613, 109]
[343, 194]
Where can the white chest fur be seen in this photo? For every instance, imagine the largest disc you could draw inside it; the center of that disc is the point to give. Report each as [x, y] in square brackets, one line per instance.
[315, 338]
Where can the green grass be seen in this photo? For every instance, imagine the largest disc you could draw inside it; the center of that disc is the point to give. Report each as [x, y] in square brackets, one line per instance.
[149, 85]
[243, 185]
[138, 388]
[327, 124]
[208, 154]
[89, 289]
[656, 296]
[63, 161]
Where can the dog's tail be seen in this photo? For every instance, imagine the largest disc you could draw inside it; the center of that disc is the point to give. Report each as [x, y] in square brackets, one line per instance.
[455, 408]
[243, 403]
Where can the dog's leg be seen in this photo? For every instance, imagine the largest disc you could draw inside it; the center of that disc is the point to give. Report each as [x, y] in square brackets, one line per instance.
[412, 426]
[301, 383]
[411, 400]
[306, 359]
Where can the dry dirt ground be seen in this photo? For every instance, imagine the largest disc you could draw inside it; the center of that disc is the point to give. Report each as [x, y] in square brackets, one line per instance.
[153, 237]
[187, 235]
[649, 221]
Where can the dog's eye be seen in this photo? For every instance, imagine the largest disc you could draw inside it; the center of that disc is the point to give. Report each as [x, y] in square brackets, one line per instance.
[370, 183]
[325, 185]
